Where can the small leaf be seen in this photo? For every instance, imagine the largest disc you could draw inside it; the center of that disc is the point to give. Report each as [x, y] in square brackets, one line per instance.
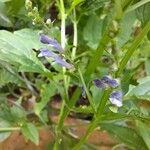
[30, 132]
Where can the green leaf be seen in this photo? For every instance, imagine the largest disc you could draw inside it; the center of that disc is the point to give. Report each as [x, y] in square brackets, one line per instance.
[143, 13]
[126, 29]
[73, 5]
[141, 91]
[96, 95]
[92, 5]
[17, 49]
[47, 92]
[126, 135]
[144, 131]
[4, 135]
[5, 21]
[8, 77]
[30, 132]
[92, 31]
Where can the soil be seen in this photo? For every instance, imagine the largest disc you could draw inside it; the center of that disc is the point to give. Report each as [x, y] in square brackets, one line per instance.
[16, 140]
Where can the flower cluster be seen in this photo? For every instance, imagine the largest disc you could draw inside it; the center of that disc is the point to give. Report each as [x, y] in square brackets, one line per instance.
[106, 82]
[44, 52]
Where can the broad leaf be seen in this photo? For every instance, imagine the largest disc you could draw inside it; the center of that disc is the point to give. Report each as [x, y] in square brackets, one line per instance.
[17, 49]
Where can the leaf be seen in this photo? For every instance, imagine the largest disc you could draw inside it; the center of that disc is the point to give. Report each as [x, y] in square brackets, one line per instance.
[141, 91]
[144, 131]
[147, 68]
[92, 5]
[4, 135]
[30, 132]
[92, 31]
[5, 21]
[126, 29]
[8, 77]
[46, 93]
[126, 135]
[73, 5]
[96, 94]
[143, 13]
[16, 49]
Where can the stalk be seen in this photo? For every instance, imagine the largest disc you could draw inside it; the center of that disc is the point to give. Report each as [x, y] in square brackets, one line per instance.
[9, 129]
[95, 120]
[63, 42]
[75, 36]
[65, 110]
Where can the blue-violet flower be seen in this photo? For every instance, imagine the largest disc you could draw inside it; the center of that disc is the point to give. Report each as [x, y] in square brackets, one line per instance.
[51, 42]
[116, 98]
[44, 52]
[105, 82]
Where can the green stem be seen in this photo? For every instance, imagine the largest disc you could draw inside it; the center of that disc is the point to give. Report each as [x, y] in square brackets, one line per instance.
[63, 114]
[9, 129]
[95, 120]
[86, 90]
[63, 42]
[137, 5]
[132, 48]
[75, 36]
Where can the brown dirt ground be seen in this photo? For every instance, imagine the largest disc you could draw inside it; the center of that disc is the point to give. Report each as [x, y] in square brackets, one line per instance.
[17, 142]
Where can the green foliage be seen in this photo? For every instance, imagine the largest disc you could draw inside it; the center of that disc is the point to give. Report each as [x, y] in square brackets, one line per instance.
[126, 135]
[4, 134]
[144, 131]
[47, 92]
[30, 132]
[93, 31]
[17, 49]
[142, 90]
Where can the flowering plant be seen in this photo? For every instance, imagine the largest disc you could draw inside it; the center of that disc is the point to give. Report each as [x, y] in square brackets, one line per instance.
[90, 55]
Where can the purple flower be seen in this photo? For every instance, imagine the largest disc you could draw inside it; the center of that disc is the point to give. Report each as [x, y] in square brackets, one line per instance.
[51, 42]
[105, 82]
[116, 98]
[63, 63]
[44, 52]
[100, 84]
[110, 82]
